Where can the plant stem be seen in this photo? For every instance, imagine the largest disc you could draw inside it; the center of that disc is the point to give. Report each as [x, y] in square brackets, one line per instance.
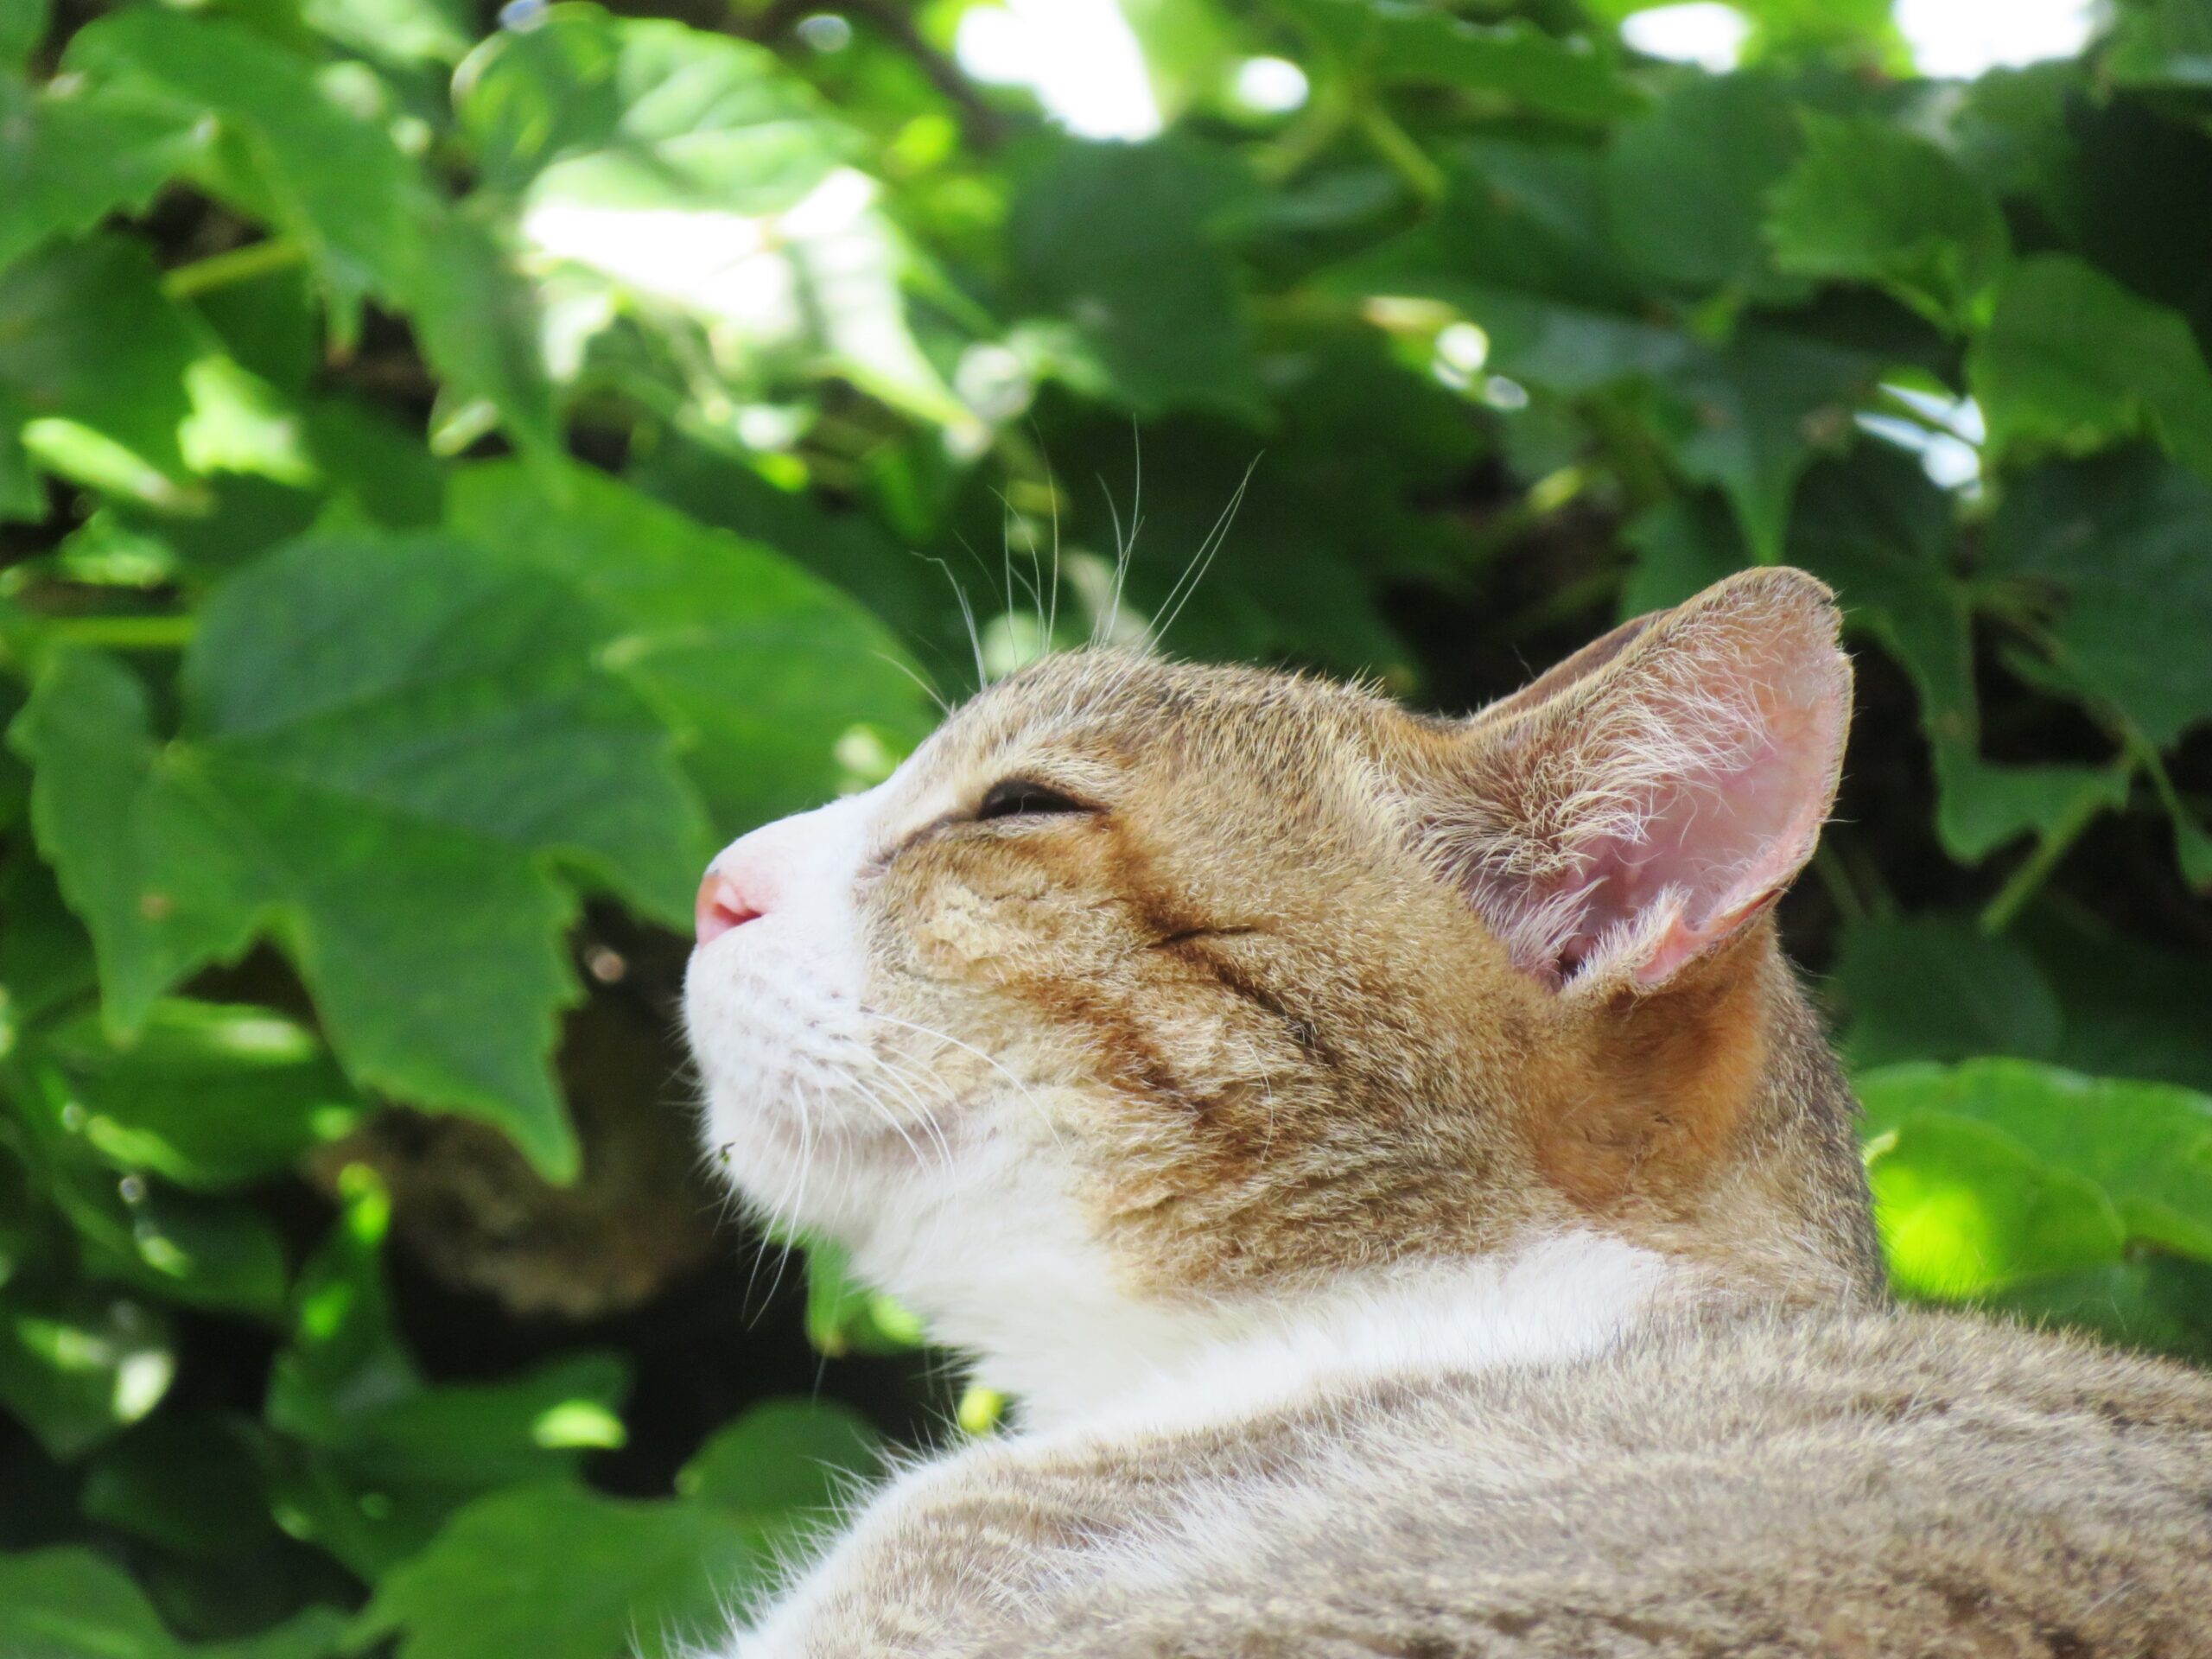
[2036, 869]
[238, 265]
[1396, 146]
[122, 632]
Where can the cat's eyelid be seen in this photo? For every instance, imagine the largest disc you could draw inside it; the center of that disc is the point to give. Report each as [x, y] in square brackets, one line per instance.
[1022, 795]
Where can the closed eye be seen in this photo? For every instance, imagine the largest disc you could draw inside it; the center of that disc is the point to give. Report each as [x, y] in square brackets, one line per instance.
[1021, 797]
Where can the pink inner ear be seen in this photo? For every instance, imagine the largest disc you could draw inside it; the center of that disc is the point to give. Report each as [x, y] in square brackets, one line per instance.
[1720, 776]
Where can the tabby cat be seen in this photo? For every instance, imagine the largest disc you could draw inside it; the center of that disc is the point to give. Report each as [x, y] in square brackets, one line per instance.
[1393, 1168]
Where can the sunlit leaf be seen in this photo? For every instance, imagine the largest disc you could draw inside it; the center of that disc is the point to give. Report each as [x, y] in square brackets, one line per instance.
[76, 1369]
[562, 1574]
[396, 811]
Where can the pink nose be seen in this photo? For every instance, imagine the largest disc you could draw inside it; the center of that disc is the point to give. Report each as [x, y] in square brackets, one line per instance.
[723, 905]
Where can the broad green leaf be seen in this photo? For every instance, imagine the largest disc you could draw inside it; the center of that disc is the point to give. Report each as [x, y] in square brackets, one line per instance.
[201, 1251]
[850, 550]
[2146, 1148]
[1868, 202]
[399, 32]
[46, 957]
[783, 1460]
[321, 172]
[558, 1572]
[685, 171]
[71, 155]
[1396, 42]
[477, 1436]
[759, 666]
[2122, 538]
[2074, 360]
[1686, 186]
[2160, 1302]
[78, 1368]
[1933, 988]
[189, 1482]
[208, 1095]
[1874, 527]
[312, 1634]
[1119, 243]
[393, 747]
[68, 1603]
[377, 1456]
[2162, 43]
[1755, 414]
[333, 178]
[1520, 245]
[22, 25]
[1964, 1209]
[665, 114]
[2132, 1010]
[106, 404]
[1682, 546]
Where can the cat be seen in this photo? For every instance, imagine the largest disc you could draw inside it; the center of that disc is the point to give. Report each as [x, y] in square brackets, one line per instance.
[1391, 1165]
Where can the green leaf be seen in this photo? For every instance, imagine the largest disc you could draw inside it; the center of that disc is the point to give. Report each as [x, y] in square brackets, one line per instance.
[190, 1482]
[1936, 987]
[46, 956]
[760, 667]
[23, 25]
[80, 1367]
[1393, 42]
[2162, 43]
[1868, 202]
[844, 1316]
[208, 1095]
[333, 178]
[1757, 410]
[680, 170]
[1520, 245]
[70, 1604]
[398, 32]
[71, 155]
[105, 403]
[1120, 242]
[557, 1572]
[784, 1460]
[1874, 526]
[474, 1436]
[310, 1634]
[657, 113]
[1686, 186]
[204, 1252]
[2162, 1303]
[2132, 1011]
[392, 749]
[1964, 1209]
[2145, 1147]
[2122, 537]
[2074, 360]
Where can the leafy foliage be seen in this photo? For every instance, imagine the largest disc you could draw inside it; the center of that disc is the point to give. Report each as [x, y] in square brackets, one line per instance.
[456, 469]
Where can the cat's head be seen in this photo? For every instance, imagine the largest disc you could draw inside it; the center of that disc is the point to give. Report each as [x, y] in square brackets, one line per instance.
[1143, 990]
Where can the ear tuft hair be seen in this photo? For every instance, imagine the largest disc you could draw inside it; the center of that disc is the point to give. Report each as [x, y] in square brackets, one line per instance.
[1634, 808]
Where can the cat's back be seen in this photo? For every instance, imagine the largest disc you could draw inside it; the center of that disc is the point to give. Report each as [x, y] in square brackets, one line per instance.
[1868, 1484]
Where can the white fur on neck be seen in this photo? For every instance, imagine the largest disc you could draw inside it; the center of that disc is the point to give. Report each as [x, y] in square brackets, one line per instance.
[1565, 1296]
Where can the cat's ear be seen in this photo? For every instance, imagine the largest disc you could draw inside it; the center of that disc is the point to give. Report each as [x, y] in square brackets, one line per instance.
[1634, 808]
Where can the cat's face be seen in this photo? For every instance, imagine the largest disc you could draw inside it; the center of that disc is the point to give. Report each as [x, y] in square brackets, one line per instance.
[1198, 981]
